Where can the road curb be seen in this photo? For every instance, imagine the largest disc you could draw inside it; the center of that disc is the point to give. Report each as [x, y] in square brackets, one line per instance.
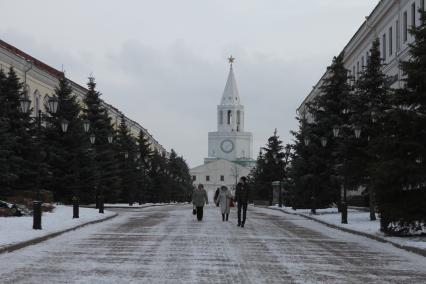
[38, 240]
[415, 250]
[129, 207]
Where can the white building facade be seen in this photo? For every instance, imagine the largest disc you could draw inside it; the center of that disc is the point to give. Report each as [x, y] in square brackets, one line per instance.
[230, 148]
[390, 21]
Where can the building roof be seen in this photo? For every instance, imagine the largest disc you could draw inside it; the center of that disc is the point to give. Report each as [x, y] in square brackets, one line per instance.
[37, 63]
[230, 94]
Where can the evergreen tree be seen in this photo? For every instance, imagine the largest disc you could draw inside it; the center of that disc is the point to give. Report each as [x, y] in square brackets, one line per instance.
[105, 180]
[400, 182]
[24, 162]
[6, 141]
[67, 151]
[144, 148]
[270, 168]
[317, 152]
[157, 191]
[128, 158]
[369, 103]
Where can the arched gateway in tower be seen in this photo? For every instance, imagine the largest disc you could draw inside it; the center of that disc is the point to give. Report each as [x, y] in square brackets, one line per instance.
[230, 148]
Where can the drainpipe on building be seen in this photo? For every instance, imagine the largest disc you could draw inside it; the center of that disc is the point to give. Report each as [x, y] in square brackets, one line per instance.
[25, 76]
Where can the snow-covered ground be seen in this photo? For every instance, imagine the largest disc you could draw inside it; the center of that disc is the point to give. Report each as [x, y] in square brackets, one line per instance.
[19, 229]
[135, 205]
[166, 244]
[358, 221]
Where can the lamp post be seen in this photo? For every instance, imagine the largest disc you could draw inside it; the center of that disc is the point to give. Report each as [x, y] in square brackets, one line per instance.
[99, 196]
[307, 142]
[37, 203]
[357, 133]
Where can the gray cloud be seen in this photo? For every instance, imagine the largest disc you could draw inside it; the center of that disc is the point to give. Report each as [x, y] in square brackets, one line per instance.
[163, 63]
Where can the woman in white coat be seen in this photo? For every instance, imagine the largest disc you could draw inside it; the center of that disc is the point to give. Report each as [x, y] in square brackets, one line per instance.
[224, 200]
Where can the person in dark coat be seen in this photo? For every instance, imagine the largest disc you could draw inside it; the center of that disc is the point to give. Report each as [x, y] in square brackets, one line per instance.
[242, 197]
[199, 198]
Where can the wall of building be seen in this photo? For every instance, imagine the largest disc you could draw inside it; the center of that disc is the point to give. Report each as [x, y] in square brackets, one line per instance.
[211, 174]
[389, 22]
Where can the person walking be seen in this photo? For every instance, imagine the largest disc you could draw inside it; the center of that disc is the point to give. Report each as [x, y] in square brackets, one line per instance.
[242, 197]
[199, 198]
[224, 200]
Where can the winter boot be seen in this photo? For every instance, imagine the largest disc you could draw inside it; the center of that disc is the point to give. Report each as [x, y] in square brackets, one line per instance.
[223, 217]
[227, 215]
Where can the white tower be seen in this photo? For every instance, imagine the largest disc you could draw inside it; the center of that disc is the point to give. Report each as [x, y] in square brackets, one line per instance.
[230, 142]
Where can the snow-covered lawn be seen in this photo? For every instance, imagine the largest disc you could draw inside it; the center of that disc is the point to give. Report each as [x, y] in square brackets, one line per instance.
[357, 221]
[19, 229]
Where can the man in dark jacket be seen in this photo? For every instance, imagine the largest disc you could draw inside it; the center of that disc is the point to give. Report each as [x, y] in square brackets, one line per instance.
[242, 197]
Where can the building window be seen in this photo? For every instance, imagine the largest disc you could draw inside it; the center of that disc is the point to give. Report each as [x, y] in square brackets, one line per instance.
[384, 47]
[357, 68]
[207, 178]
[405, 26]
[229, 117]
[398, 37]
[362, 63]
[353, 72]
[194, 178]
[390, 41]
[422, 5]
[413, 14]
[222, 178]
[221, 117]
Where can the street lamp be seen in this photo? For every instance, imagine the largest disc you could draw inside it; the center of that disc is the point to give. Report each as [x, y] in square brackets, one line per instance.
[357, 132]
[64, 125]
[86, 125]
[37, 202]
[110, 138]
[92, 138]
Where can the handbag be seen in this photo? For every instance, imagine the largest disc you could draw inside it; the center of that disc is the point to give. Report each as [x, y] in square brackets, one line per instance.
[231, 203]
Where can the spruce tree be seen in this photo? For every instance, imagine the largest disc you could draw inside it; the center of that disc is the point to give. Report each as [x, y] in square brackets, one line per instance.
[67, 151]
[369, 104]
[144, 148]
[400, 183]
[24, 162]
[105, 180]
[6, 142]
[317, 181]
[128, 158]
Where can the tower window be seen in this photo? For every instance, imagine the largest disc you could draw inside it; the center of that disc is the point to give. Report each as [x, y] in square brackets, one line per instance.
[221, 117]
[229, 117]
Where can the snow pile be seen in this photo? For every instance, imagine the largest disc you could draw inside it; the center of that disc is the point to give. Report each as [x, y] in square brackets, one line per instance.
[358, 221]
[19, 229]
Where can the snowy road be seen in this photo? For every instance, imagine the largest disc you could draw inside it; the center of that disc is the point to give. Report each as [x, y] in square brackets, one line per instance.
[167, 245]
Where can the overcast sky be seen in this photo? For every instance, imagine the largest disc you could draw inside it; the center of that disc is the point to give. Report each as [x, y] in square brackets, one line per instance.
[163, 62]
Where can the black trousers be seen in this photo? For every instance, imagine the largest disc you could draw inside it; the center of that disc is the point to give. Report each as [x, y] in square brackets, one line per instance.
[244, 207]
[199, 213]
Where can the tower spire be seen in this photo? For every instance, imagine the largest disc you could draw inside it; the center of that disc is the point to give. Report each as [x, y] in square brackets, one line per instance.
[230, 94]
[231, 60]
